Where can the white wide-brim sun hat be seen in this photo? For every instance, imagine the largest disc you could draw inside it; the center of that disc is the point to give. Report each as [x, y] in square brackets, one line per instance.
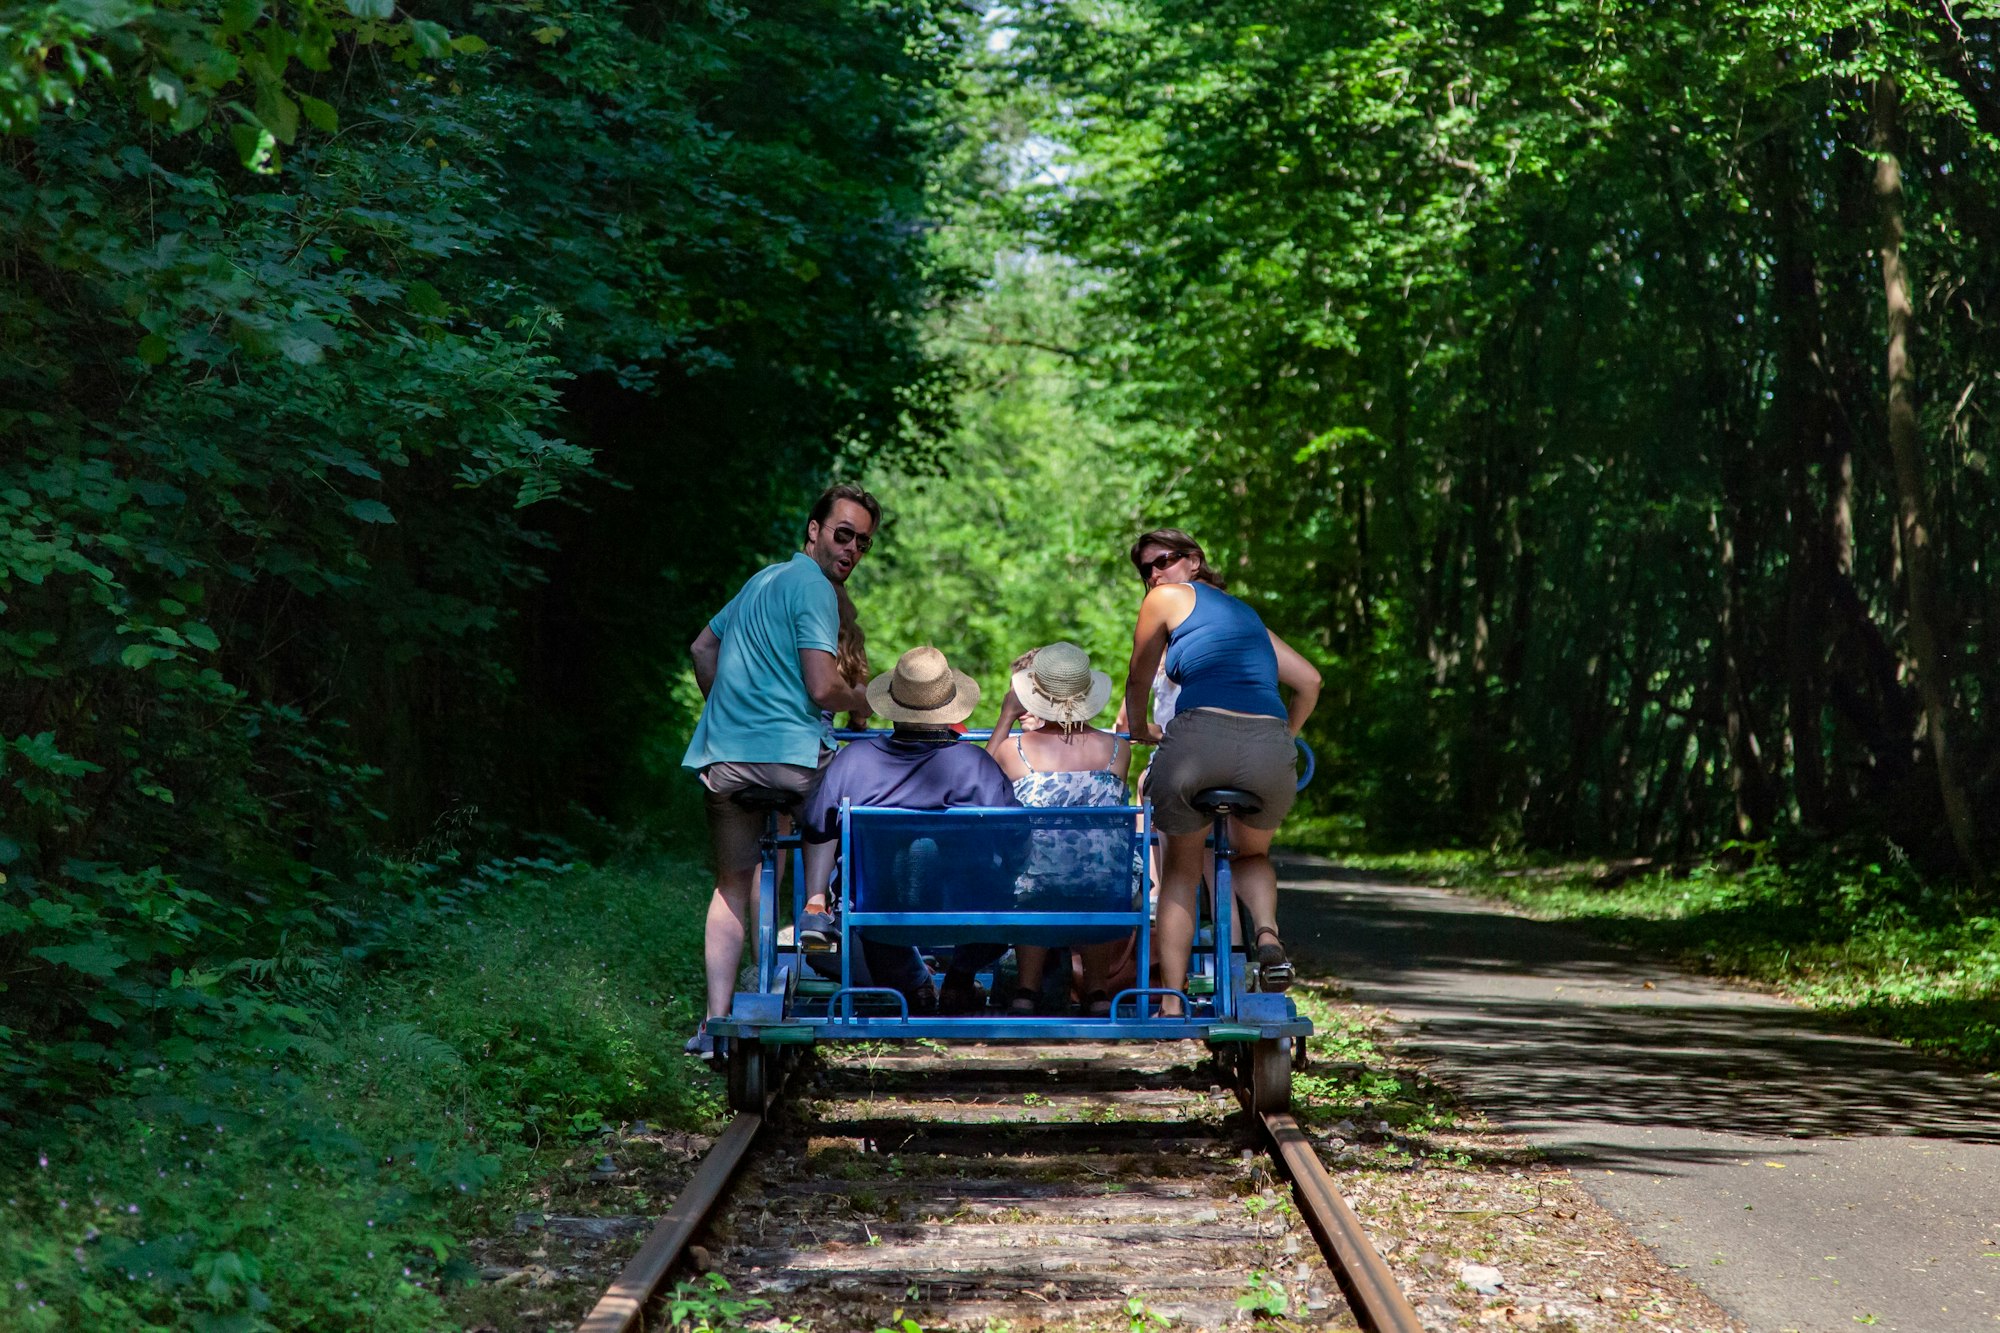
[1059, 685]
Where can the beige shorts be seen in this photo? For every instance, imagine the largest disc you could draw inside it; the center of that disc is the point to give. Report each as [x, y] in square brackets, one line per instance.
[734, 832]
[1205, 748]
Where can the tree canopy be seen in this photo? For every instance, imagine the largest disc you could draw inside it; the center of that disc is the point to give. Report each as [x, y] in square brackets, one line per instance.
[383, 403]
[1544, 362]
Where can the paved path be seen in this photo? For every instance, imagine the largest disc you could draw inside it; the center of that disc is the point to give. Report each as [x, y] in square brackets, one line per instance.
[1809, 1180]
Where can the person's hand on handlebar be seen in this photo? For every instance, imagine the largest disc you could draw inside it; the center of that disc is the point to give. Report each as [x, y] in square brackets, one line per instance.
[1146, 733]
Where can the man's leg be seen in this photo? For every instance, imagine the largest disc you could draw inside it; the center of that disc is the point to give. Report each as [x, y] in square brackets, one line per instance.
[735, 836]
[732, 912]
[959, 993]
[900, 968]
[816, 923]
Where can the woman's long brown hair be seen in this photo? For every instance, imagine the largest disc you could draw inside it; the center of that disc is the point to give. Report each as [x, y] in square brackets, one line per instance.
[850, 656]
[1180, 544]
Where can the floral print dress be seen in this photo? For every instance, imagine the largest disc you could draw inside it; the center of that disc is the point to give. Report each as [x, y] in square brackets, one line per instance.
[1066, 863]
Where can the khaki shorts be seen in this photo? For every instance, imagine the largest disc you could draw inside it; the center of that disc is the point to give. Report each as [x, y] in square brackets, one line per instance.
[1205, 748]
[735, 833]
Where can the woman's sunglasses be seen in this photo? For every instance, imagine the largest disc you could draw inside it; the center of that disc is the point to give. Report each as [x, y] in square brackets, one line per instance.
[1159, 563]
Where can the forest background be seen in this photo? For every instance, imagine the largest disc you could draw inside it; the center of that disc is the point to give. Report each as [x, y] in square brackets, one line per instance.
[1600, 393]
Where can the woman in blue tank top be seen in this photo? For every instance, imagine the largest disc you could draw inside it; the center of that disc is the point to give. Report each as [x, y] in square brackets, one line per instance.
[1231, 728]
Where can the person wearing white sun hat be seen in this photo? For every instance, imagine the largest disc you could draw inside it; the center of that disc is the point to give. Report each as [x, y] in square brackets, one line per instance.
[1059, 759]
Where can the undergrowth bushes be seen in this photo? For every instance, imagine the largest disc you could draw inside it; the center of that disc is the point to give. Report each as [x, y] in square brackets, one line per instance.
[315, 1171]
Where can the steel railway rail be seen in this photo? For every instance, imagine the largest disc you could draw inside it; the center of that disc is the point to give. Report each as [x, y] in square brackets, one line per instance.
[1365, 1279]
[1047, 876]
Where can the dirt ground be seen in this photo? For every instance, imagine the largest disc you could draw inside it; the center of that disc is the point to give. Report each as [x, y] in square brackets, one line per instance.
[1027, 1188]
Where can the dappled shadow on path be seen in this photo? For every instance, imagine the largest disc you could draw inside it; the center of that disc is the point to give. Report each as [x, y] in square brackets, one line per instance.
[1555, 1033]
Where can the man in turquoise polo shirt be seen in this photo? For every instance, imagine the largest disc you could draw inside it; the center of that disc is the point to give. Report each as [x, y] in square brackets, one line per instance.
[765, 664]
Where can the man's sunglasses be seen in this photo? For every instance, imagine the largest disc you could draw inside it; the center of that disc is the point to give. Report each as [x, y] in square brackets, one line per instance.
[860, 541]
[1159, 563]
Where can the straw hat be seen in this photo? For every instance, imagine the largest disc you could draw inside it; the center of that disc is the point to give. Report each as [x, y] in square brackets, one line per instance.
[1059, 685]
[923, 688]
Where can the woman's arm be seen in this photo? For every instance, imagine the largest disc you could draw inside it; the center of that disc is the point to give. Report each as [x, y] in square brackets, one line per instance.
[1165, 607]
[1121, 758]
[1303, 679]
[1000, 745]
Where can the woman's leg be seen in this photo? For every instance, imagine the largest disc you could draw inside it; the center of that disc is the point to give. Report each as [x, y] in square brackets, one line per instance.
[1173, 934]
[1252, 879]
[1098, 960]
[1029, 962]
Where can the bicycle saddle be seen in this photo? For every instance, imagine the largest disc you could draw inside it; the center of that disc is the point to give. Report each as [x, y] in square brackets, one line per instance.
[1213, 801]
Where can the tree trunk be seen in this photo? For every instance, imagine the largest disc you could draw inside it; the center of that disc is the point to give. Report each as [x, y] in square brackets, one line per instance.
[1912, 521]
[1749, 782]
[1802, 411]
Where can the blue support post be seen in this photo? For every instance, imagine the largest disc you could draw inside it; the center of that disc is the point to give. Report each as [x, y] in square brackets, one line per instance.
[767, 904]
[845, 906]
[1225, 922]
[1145, 974]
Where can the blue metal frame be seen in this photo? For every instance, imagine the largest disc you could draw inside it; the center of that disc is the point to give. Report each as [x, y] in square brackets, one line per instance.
[778, 1010]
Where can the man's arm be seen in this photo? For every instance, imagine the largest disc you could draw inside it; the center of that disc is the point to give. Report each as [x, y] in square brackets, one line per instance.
[827, 687]
[706, 650]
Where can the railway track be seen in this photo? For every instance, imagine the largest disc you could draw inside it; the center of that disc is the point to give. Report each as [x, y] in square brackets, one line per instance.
[1120, 1185]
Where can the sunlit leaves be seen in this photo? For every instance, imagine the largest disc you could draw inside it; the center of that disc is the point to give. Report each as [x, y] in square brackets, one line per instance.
[1519, 354]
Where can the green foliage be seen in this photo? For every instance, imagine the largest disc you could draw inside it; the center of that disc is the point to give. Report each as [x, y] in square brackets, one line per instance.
[189, 64]
[1527, 359]
[1014, 536]
[314, 475]
[705, 1306]
[1264, 1296]
[321, 1179]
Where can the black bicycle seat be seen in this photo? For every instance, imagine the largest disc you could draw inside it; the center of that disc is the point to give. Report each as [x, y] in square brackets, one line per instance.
[1213, 801]
[766, 799]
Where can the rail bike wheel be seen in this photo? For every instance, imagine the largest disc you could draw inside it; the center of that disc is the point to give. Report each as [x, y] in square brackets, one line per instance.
[1270, 1073]
[749, 1075]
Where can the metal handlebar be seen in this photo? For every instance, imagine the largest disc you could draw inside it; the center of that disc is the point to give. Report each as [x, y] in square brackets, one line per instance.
[985, 733]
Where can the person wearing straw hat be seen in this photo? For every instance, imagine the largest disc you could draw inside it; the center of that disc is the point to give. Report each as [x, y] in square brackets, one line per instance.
[1059, 759]
[919, 766]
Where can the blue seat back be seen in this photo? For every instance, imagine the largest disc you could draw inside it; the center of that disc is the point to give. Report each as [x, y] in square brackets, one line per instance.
[962, 875]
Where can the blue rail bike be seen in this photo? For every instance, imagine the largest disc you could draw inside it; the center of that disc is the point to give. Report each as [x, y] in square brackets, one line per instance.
[945, 879]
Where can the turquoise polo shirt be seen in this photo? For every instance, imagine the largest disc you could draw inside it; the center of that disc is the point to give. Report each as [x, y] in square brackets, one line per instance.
[758, 711]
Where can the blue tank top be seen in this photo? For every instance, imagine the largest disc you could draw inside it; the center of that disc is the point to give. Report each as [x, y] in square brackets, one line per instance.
[1221, 657]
